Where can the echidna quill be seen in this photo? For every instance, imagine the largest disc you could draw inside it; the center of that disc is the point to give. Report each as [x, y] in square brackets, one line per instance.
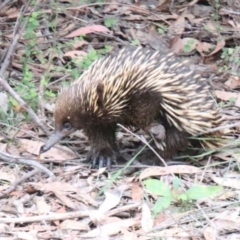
[137, 88]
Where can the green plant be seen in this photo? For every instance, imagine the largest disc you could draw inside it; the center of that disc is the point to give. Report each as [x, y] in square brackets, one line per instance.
[91, 57]
[110, 22]
[188, 46]
[135, 42]
[231, 60]
[166, 196]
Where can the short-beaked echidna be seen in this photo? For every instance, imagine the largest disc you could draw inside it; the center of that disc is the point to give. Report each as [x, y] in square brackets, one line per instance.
[137, 88]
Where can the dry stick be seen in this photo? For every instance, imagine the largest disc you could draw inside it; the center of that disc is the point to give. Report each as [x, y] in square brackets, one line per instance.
[19, 181]
[62, 216]
[13, 45]
[13, 159]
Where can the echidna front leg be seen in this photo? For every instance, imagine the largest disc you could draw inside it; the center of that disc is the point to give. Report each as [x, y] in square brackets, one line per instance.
[104, 149]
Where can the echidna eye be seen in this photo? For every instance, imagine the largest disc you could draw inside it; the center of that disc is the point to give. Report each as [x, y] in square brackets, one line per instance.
[67, 125]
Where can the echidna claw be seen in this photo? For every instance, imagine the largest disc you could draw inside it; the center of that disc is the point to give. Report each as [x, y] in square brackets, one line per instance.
[100, 160]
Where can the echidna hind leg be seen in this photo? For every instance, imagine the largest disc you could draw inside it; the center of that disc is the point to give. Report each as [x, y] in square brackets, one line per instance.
[174, 142]
[158, 134]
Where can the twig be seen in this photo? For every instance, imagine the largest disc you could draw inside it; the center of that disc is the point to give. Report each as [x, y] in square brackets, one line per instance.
[62, 216]
[13, 45]
[143, 140]
[13, 159]
[14, 185]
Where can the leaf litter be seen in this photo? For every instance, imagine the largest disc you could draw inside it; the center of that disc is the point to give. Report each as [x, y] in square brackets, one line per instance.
[67, 37]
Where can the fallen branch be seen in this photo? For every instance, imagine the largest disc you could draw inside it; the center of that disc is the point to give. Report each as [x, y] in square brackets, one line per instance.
[19, 181]
[13, 159]
[62, 216]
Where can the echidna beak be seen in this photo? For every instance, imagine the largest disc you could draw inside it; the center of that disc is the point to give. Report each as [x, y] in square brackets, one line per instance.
[54, 138]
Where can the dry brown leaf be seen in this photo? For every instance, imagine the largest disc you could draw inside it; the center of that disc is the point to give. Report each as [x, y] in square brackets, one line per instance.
[87, 30]
[179, 44]
[13, 150]
[26, 236]
[136, 191]
[3, 147]
[205, 47]
[237, 102]
[33, 147]
[111, 201]
[76, 225]
[233, 82]
[173, 232]
[178, 26]
[210, 27]
[146, 221]
[209, 233]
[225, 96]
[6, 176]
[42, 206]
[228, 220]
[111, 229]
[79, 44]
[159, 171]
[12, 13]
[129, 235]
[65, 200]
[75, 54]
[227, 182]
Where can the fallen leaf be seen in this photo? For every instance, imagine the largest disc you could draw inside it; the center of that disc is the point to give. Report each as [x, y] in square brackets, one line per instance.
[6, 176]
[75, 54]
[111, 201]
[136, 191]
[209, 233]
[205, 47]
[184, 45]
[233, 82]
[178, 26]
[76, 225]
[33, 147]
[227, 182]
[159, 171]
[87, 30]
[147, 220]
[111, 229]
[42, 206]
[225, 96]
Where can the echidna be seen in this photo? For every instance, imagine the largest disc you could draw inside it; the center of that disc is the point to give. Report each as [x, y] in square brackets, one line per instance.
[137, 88]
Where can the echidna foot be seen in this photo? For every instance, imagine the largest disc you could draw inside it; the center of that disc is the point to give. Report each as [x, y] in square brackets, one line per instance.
[102, 158]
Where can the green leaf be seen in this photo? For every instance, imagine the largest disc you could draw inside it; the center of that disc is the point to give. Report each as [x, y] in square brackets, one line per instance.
[176, 183]
[232, 99]
[160, 30]
[161, 204]
[13, 101]
[109, 22]
[157, 187]
[198, 192]
[135, 42]
[230, 51]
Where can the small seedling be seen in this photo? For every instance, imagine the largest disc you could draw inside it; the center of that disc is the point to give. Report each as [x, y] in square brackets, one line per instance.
[166, 196]
[110, 22]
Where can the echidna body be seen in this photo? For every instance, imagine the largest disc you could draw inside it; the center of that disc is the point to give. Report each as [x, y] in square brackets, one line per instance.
[137, 88]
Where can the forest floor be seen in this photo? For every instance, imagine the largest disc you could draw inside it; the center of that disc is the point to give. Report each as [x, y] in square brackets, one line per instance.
[45, 45]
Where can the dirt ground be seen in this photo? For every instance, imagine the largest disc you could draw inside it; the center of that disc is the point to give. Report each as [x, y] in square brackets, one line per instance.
[44, 46]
